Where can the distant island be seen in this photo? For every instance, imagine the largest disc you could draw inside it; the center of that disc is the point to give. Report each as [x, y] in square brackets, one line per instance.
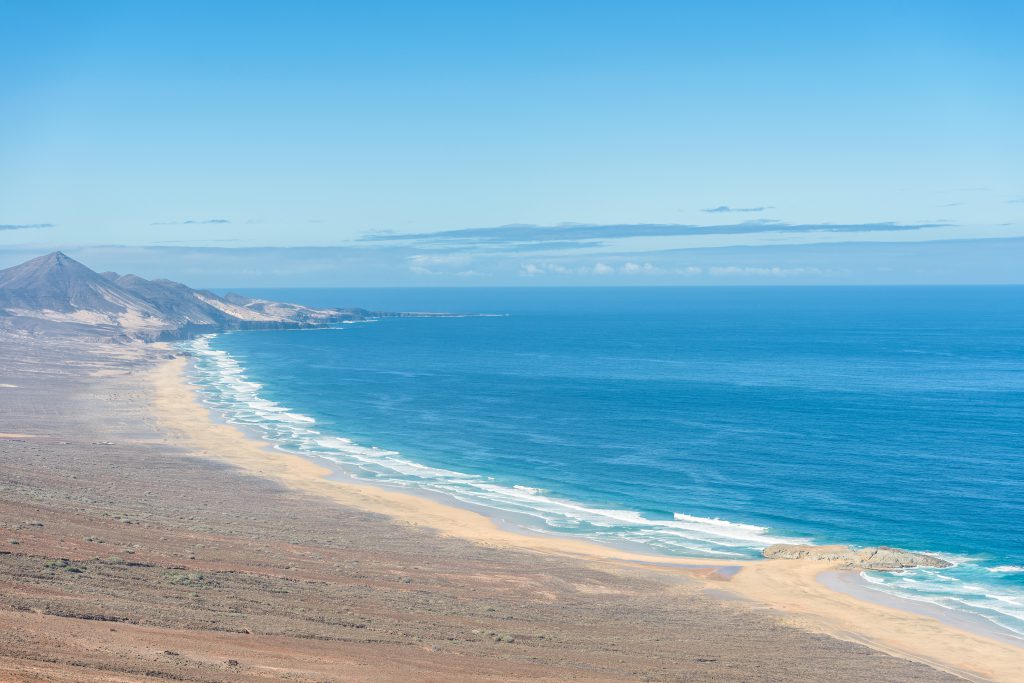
[58, 296]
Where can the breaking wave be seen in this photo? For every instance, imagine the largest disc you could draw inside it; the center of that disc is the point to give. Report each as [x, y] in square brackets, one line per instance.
[225, 387]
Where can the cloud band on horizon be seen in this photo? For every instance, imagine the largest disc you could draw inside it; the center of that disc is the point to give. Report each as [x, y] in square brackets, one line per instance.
[585, 231]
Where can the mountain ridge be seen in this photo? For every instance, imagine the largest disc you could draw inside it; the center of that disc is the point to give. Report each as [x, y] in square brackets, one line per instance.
[56, 294]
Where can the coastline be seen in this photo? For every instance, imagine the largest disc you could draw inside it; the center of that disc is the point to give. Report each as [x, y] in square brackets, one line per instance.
[128, 554]
[793, 588]
[851, 582]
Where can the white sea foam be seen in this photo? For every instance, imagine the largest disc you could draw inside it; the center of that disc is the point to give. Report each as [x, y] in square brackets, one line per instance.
[715, 521]
[1003, 606]
[227, 388]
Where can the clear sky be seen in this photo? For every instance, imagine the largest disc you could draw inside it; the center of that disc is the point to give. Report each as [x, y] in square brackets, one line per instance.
[344, 143]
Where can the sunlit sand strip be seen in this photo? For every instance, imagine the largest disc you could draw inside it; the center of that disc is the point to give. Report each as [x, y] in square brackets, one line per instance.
[790, 586]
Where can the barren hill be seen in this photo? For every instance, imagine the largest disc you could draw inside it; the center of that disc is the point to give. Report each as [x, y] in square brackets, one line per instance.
[55, 294]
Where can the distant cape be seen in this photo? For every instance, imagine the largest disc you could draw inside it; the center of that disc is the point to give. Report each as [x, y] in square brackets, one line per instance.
[55, 294]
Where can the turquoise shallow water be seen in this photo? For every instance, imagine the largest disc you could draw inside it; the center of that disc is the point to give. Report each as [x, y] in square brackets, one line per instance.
[704, 422]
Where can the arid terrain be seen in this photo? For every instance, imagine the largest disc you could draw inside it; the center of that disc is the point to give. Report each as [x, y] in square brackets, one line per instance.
[126, 557]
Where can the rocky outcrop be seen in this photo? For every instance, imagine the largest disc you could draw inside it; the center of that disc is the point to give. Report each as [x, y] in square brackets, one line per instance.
[881, 558]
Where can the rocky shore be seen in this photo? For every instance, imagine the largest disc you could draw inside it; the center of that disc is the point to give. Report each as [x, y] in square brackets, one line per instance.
[881, 558]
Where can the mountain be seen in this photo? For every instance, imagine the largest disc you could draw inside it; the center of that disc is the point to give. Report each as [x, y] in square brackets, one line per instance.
[61, 284]
[181, 304]
[56, 294]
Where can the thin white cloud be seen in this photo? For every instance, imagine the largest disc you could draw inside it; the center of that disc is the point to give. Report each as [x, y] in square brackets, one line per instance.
[207, 221]
[630, 268]
[24, 226]
[439, 264]
[756, 271]
[739, 209]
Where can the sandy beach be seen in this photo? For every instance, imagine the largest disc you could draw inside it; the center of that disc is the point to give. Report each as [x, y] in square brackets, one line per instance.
[142, 538]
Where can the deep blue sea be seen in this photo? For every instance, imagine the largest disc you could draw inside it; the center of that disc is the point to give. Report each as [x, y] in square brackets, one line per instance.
[690, 421]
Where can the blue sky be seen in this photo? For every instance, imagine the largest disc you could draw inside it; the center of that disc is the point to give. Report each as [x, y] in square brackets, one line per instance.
[333, 143]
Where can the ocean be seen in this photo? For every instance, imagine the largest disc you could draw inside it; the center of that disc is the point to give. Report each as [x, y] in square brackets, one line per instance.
[703, 422]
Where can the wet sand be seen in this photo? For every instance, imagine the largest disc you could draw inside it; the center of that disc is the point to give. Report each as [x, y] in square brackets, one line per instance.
[140, 538]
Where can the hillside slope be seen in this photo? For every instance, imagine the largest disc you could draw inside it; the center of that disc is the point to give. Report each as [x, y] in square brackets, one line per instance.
[56, 294]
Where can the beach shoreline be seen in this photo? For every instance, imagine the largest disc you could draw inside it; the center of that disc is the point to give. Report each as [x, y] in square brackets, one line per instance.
[848, 581]
[793, 588]
[852, 583]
